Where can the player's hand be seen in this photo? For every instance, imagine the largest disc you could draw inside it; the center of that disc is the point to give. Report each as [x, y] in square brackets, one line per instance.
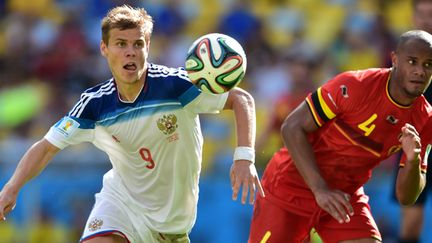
[336, 203]
[244, 175]
[7, 201]
[410, 141]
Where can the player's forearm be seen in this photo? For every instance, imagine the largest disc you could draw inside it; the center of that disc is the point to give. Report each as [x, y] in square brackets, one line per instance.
[295, 139]
[31, 164]
[410, 183]
[244, 109]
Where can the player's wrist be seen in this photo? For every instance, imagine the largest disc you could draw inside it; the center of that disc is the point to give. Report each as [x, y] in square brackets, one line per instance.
[413, 163]
[244, 153]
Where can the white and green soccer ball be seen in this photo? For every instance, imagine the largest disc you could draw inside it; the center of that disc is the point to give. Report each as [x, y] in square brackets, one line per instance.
[216, 63]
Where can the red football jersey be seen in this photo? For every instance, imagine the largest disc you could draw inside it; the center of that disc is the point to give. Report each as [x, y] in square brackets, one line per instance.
[359, 126]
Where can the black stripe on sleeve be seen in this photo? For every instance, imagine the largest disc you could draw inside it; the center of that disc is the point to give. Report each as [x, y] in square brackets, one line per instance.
[318, 107]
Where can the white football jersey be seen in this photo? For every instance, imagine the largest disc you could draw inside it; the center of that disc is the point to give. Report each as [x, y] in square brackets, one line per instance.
[154, 143]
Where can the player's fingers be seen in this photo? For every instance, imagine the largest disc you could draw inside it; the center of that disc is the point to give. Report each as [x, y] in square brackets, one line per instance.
[235, 190]
[344, 200]
[2, 215]
[348, 205]
[5, 210]
[410, 128]
[245, 190]
[260, 188]
[232, 179]
[330, 208]
[235, 187]
[252, 192]
[341, 211]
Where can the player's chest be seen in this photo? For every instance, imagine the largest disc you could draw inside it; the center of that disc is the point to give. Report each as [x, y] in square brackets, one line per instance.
[157, 128]
[375, 126]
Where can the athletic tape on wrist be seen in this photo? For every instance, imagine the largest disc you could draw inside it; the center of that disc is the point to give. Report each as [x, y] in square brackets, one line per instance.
[244, 153]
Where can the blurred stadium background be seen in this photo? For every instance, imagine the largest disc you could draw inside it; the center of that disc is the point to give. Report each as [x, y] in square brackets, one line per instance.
[49, 53]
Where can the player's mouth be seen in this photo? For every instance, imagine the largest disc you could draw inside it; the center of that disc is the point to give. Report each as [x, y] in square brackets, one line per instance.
[132, 67]
[418, 82]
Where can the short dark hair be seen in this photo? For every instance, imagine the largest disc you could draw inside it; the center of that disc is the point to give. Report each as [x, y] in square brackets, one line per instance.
[414, 35]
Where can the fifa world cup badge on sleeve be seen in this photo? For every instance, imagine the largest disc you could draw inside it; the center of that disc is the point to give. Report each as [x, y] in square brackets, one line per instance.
[67, 126]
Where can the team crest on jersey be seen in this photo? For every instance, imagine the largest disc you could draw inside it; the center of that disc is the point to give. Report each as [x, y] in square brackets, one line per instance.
[95, 224]
[67, 126]
[393, 120]
[167, 124]
[344, 91]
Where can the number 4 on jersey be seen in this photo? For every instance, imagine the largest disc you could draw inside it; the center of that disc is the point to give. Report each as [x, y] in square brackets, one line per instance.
[367, 126]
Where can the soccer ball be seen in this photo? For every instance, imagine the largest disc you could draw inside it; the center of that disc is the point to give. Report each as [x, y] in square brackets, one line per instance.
[216, 63]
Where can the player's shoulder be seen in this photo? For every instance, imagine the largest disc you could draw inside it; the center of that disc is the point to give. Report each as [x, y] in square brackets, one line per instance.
[99, 91]
[371, 75]
[100, 87]
[171, 82]
[92, 98]
[162, 72]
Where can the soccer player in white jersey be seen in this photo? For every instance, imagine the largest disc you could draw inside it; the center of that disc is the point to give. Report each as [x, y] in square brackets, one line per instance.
[146, 119]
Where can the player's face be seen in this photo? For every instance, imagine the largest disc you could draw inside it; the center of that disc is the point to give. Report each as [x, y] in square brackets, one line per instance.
[423, 16]
[126, 53]
[412, 70]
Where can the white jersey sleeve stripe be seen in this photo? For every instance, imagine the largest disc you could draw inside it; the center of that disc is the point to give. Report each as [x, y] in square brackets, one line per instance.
[79, 108]
[85, 95]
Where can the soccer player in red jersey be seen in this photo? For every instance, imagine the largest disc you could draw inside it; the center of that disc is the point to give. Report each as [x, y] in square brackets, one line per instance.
[336, 137]
[412, 222]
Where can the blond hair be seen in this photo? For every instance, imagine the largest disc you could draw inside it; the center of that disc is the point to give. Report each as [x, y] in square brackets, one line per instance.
[127, 17]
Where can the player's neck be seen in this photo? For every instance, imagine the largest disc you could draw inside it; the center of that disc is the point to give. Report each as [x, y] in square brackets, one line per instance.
[130, 92]
[398, 93]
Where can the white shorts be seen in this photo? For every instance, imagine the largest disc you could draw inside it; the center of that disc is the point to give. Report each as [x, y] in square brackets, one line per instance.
[112, 216]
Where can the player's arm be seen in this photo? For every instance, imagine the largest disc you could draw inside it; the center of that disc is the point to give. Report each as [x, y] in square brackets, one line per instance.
[410, 180]
[243, 172]
[31, 164]
[294, 133]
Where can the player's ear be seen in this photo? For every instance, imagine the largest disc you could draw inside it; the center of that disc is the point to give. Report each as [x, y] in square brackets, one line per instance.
[148, 46]
[393, 59]
[103, 49]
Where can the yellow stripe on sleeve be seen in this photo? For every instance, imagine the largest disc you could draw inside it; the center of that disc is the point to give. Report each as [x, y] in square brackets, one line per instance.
[328, 112]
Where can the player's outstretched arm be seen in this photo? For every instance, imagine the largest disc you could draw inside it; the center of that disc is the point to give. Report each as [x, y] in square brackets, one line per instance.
[294, 133]
[243, 173]
[410, 180]
[31, 164]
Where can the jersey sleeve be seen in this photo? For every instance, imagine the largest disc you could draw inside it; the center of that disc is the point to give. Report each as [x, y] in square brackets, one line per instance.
[74, 128]
[337, 96]
[69, 131]
[206, 102]
[196, 101]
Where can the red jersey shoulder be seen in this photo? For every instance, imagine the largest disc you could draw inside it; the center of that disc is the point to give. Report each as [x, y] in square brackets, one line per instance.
[346, 91]
[361, 79]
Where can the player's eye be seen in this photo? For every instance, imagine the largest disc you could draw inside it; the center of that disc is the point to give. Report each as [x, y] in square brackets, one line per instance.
[139, 44]
[411, 61]
[121, 44]
[428, 65]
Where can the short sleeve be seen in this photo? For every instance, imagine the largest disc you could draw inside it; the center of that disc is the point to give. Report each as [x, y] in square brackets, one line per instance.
[207, 103]
[70, 131]
[337, 96]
